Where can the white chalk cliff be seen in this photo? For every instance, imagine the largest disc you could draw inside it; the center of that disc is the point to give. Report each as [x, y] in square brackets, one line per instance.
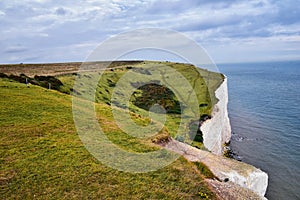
[231, 173]
[217, 130]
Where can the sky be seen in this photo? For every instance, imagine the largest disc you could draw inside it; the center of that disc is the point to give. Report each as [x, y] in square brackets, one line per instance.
[34, 31]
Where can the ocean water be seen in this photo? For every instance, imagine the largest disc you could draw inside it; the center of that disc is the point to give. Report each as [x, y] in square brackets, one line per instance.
[264, 109]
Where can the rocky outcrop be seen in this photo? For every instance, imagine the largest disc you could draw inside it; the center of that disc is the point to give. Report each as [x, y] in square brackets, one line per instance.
[217, 130]
[231, 173]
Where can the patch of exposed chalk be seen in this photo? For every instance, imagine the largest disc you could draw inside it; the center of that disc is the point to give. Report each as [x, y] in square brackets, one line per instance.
[256, 180]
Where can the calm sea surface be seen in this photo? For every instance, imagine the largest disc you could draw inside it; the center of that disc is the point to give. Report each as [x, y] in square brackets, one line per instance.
[264, 108]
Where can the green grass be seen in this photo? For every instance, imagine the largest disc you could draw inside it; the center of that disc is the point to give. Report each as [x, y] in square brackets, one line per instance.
[204, 170]
[203, 83]
[42, 156]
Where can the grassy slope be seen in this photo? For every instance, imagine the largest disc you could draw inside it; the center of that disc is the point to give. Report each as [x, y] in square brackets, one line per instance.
[199, 79]
[42, 156]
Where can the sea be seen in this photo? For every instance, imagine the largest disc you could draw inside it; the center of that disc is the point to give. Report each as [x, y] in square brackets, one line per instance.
[264, 109]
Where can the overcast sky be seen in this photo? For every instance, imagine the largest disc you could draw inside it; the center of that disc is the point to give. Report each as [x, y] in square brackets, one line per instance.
[231, 31]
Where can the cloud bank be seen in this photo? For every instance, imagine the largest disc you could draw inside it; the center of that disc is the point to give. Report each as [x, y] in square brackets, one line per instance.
[231, 31]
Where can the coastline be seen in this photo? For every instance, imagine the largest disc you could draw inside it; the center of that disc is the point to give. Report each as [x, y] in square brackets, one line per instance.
[217, 130]
[232, 175]
[261, 129]
[216, 134]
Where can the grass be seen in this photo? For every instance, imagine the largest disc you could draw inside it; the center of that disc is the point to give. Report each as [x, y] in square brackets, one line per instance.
[204, 170]
[203, 83]
[42, 157]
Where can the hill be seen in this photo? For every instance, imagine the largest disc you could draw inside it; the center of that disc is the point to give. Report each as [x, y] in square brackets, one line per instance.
[43, 157]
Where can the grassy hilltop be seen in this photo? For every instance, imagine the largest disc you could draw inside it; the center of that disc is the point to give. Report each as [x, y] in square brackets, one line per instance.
[42, 157]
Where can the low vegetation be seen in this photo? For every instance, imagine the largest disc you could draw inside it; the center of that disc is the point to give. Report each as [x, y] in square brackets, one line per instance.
[204, 170]
[42, 157]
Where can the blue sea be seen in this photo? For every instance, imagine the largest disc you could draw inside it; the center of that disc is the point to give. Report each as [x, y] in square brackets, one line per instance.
[264, 108]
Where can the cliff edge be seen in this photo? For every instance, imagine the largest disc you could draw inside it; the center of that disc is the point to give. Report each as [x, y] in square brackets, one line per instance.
[252, 182]
[217, 130]
[232, 174]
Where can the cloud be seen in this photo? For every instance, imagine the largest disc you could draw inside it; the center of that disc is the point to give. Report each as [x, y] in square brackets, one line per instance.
[55, 26]
[15, 49]
[288, 11]
[255, 49]
[245, 15]
[60, 11]
[178, 7]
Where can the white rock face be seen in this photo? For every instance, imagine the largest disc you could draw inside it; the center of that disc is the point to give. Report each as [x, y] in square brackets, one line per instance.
[235, 172]
[217, 130]
[256, 180]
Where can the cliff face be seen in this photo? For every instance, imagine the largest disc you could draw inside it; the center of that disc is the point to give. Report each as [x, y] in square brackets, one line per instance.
[217, 130]
[245, 180]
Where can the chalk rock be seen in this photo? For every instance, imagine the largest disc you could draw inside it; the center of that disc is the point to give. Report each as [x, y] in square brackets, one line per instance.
[217, 130]
[225, 169]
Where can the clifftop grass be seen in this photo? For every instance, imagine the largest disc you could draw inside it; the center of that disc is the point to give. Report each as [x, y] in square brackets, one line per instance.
[42, 157]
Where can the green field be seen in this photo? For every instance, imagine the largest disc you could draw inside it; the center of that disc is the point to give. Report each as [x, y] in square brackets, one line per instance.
[42, 156]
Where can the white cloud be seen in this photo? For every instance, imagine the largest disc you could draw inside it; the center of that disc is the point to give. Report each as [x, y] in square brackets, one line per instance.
[66, 24]
[254, 49]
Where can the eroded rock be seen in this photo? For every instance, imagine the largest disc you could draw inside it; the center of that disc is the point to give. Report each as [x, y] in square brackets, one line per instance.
[227, 170]
[216, 131]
